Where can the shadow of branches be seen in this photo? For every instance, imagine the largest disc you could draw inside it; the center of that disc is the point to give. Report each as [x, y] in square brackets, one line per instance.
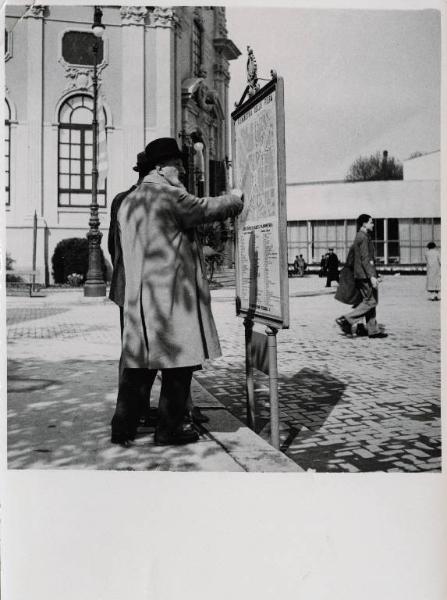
[165, 287]
[59, 414]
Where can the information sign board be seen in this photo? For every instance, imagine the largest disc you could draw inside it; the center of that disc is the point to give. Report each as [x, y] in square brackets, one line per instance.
[258, 144]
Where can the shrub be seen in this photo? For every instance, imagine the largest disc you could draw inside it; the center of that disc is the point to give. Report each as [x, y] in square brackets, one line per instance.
[71, 256]
[9, 262]
[10, 278]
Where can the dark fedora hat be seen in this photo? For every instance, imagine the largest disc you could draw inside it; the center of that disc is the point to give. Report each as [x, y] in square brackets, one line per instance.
[162, 149]
[142, 165]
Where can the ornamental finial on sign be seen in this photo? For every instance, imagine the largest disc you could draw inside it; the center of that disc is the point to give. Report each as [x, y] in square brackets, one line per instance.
[252, 73]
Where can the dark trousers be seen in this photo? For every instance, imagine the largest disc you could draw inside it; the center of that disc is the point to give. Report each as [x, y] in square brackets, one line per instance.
[134, 390]
[142, 381]
[175, 389]
[332, 276]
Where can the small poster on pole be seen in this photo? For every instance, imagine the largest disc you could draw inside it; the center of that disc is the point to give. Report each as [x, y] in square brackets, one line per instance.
[258, 142]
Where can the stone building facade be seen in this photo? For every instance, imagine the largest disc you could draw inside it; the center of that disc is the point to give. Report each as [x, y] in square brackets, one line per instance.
[163, 71]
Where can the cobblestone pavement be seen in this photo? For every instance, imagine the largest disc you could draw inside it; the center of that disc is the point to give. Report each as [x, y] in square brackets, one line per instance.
[346, 404]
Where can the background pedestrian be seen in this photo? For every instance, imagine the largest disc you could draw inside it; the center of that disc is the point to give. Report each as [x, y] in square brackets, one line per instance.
[332, 263]
[433, 260]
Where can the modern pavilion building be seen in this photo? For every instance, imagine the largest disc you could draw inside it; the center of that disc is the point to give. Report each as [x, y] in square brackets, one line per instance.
[407, 214]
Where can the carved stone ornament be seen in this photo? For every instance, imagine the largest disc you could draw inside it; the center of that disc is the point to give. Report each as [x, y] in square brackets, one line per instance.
[133, 15]
[78, 78]
[163, 16]
[252, 73]
[221, 71]
[221, 22]
[212, 143]
[198, 14]
[35, 11]
[204, 96]
[202, 72]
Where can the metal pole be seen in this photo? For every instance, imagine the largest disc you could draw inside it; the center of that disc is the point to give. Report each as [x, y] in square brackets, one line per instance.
[94, 284]
[273, 380]
[34, 249]
[249, 381]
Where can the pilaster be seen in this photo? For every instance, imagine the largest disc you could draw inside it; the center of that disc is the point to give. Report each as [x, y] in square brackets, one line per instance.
[163, 22]
[133, 82]
[34, 164]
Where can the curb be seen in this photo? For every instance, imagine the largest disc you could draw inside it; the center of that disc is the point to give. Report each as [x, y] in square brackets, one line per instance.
[243, 445]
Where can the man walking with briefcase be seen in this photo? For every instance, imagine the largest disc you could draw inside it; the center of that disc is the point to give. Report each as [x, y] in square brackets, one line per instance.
[362, 257]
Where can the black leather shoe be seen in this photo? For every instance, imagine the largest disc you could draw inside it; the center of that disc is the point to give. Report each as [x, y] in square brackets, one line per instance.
[344, 325]
[379, 335]
[122, 439]
[176, 438]
[361, 330]
[149, 420]
[197, 415]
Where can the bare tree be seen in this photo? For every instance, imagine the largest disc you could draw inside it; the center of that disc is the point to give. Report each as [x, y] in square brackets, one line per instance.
[375, 168]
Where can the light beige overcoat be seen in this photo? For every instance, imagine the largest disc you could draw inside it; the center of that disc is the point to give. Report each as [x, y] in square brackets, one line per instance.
[168, 321]
[433, 260]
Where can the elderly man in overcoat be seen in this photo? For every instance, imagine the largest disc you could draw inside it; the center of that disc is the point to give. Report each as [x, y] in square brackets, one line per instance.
[366, 281]
[168, 324]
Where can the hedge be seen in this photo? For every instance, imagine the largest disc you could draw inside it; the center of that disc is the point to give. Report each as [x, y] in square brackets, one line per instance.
[71, 256]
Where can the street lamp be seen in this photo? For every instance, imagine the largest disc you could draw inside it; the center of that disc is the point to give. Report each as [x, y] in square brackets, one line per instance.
[94, 284]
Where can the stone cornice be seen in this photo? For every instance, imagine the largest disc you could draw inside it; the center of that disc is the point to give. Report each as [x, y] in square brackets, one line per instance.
[133, 15]
[35, 11]
[163, 16]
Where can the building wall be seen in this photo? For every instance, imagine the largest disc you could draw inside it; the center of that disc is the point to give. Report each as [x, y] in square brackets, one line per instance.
[427, 166]
[397, 241]
[406, 214]
[391, 199]
[146, 61]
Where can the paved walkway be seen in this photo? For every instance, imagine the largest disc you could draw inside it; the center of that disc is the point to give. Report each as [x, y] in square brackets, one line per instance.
[62, 380]
[346, 404]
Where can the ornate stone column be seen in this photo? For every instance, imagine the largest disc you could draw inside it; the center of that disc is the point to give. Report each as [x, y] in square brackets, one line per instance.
[34, 111]
[132, 90]
[163, 21]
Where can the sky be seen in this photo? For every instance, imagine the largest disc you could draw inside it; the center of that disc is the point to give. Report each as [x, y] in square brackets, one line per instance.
[356, 81]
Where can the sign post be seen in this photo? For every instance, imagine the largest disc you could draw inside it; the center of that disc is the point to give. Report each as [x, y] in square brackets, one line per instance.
[262, 289]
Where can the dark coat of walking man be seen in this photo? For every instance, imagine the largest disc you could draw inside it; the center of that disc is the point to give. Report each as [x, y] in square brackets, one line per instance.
[332, 267]
[168, 324]
[362, 260]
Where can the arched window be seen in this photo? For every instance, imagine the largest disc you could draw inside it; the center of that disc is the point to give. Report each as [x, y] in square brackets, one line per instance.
[7, 153]
[76, 153]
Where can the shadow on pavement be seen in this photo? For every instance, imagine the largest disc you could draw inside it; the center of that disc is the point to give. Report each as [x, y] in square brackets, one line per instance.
[310, 396]
[59, 415]
[306, 400]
